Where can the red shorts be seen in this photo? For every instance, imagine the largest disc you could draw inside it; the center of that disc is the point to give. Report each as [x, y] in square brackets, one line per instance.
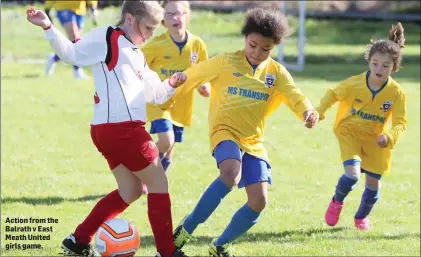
[126, 143]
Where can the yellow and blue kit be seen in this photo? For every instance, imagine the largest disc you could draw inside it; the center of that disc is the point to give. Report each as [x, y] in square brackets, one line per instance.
[166, 57]
[363, 116]
[67, 11]
[242, 98]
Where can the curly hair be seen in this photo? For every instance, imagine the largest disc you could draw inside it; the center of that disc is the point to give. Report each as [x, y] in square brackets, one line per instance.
[391, 46]
[268, 23]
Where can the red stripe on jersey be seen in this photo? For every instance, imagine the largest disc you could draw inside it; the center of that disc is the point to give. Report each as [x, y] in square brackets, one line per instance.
[114, 48]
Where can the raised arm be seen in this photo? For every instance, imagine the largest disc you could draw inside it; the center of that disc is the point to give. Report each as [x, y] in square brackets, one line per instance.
[87, 51]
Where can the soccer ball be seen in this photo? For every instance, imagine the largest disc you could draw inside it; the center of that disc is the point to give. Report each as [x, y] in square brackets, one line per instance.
[117, 237]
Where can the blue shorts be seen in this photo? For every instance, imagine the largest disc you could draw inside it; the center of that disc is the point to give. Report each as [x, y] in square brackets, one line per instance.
[65, 16]
[253, 169]
[371, 174]
[164, 125]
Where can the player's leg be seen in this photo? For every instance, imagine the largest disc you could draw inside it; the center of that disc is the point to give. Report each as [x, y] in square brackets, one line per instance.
[141, 157]
[256, 175]
[376, 162]
[78, 71]
[369, 198]
[68, 18]
[178, 134]
[351, 156]
[129, 189]
[228, 157]
[164, 129]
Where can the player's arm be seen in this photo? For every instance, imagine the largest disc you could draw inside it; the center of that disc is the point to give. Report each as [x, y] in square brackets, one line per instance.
[399, 120]
[197, 75]
[87, 51]
[204, 90]
[292, 96]
[332, 96]
[156, 91]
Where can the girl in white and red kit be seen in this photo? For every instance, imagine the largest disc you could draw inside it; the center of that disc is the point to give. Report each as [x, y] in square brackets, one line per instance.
[124, 84]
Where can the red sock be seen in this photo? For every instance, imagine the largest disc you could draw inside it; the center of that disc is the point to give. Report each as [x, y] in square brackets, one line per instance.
[159, 213]
[107, 208]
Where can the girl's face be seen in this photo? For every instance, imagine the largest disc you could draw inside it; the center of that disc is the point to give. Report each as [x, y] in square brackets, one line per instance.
[381, 66]
[175, 17]
[140, 30]
[258, 48]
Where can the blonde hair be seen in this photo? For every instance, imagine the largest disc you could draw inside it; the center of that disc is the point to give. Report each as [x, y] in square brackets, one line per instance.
[151, 10]
[186, 6]
[391, 46]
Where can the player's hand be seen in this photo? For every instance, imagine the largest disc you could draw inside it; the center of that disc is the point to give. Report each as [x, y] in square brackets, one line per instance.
[382, 141]
[311, 117]
[38, 17]
[204, 90]
[177, 79]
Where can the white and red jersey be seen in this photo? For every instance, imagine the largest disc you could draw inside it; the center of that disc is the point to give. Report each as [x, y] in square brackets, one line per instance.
[123, 81]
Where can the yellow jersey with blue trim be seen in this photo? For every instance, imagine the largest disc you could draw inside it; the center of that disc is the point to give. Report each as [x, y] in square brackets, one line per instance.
[366, 113]
[166, 58]
[243, 98]
[78, 7]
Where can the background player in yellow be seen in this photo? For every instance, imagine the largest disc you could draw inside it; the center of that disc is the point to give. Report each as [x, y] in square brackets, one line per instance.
[247, 86]
[367, 102]
[173, 51]
[71, 15]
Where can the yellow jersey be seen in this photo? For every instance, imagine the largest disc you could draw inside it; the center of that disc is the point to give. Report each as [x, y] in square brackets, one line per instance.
[242, 98]
[165, 58]
[78, 7]
[366, 113]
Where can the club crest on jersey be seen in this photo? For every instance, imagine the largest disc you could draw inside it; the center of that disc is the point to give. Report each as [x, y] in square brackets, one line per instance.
[386, 106]
[193, 57]
[270, 79]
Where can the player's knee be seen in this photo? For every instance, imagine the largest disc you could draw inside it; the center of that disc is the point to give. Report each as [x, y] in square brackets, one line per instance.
[372, 183]
[164, 144]
[229, 172]
[257, 203]
[353, 171]
[130, 194]
[230, 176]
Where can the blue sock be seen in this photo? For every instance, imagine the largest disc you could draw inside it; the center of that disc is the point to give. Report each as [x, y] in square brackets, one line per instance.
[56, 58]
[240, 223]
[368, 200]
[345, 185]
[76, 67]
[206, 205]
[165, 163]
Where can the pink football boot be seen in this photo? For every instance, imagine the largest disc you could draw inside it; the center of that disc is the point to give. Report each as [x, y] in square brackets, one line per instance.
[333, 212]
[362, 224]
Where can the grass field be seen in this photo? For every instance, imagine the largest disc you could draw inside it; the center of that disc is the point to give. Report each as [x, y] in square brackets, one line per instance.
[50, 168]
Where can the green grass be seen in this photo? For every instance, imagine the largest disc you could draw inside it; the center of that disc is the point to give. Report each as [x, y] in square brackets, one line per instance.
[50, 168]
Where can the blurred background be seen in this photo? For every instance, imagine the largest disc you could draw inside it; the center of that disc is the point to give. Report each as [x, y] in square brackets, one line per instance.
[49, 166]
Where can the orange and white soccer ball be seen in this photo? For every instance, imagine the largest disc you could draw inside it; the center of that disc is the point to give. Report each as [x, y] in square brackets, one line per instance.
[117, 238]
